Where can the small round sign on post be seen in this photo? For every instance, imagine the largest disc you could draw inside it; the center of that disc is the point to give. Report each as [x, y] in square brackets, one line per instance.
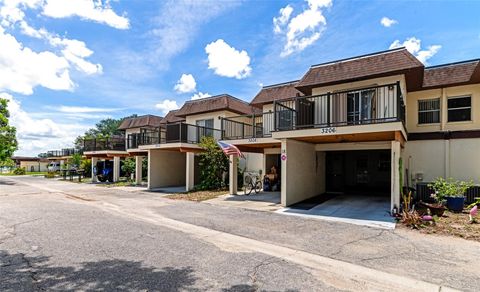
[284, 157]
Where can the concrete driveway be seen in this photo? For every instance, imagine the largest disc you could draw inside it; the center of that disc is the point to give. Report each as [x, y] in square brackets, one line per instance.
[363, 210]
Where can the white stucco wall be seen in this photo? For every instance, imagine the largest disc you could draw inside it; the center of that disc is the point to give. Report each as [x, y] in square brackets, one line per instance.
[456, 158]
[37, 166]
[303, 172]
[166, 168]
[252, 162]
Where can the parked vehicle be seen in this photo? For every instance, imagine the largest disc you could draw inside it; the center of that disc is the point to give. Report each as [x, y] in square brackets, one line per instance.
[54, 166]
[105, 171]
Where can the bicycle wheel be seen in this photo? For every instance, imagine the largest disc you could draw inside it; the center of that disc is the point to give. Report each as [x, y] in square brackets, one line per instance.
[258, 186]
[249, 188]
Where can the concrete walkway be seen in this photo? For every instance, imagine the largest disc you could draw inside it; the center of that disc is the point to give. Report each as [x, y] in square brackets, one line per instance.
[263, 201]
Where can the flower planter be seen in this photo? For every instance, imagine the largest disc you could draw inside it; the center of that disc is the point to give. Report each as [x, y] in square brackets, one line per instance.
[455, 203]
[435, 209]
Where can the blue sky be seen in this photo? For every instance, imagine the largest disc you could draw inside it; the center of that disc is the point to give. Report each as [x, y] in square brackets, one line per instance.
[67, 64]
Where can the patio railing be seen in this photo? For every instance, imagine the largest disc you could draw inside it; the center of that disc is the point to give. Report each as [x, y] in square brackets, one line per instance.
[116, 143]
[248, 126]
[180, 132]
[377, 104]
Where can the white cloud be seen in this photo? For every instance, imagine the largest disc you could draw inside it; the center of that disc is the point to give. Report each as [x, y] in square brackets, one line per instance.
[200, 95]
[179, 22]
[387, 22]
[93, 10]
[186, 84]
[279, 22]
[302, 30]
[39, 135]
[167, 105]
[22, 69]
[227, 61]
[413, 45]
[84, 109]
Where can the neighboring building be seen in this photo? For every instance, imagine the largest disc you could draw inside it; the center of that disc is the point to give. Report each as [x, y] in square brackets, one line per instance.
[31, 164]
[348, 126]
[171, 151]
[58, 158]
[102, 150]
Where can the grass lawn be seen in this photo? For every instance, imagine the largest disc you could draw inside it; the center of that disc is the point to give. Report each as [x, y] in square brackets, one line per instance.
[36, 173]
[197, 196]
[454, 224]
[117, 184]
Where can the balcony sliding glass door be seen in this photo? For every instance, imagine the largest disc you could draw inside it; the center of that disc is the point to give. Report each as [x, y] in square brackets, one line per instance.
[360, 106]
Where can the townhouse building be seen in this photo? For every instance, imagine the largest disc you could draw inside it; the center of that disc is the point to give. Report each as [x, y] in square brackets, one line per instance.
[366, 125]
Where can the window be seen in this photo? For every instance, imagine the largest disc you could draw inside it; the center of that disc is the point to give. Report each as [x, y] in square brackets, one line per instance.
[429, 111]
[205, 127]
[459, 108]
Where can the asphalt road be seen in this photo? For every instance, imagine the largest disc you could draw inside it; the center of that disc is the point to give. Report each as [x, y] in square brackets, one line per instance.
[67, 236]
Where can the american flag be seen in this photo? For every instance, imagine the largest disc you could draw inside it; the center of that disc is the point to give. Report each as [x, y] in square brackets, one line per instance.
[230, 149]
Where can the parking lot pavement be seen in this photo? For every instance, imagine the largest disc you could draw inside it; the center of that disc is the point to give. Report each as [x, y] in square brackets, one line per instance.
[451, 262]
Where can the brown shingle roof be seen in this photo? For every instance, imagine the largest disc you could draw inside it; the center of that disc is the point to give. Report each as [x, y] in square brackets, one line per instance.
[466, 72]
[171, 118]
[391, 62]
[141, 121]
[271, 93]
[214, 103]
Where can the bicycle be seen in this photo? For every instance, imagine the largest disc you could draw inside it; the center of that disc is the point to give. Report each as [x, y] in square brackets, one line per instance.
[251, 182]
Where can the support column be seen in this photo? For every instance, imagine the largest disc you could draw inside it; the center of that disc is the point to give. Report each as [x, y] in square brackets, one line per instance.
[62, 162]
[94, 169]
[149, 170]
[190, 171]
[138, 169]
[395, 177]
[233, 175]
[447, 159]
[116, 168]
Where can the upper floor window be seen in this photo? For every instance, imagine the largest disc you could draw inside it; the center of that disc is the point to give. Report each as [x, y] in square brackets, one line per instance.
[205, 127]
[459, 108]
[429, 111]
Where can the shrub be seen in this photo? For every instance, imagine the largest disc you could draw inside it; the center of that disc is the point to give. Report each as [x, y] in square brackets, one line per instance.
[86, 165]
[50, 174]
[449, 188]
[128, 166]
[213, 164]
[19, 171]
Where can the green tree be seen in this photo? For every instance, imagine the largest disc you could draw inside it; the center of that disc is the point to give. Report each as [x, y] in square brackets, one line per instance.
[213, 164]
[76, 159]
[8, 138]
[104, 128]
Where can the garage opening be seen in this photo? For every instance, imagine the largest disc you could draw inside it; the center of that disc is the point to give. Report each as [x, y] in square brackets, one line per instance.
[362, 172]
[273, 171]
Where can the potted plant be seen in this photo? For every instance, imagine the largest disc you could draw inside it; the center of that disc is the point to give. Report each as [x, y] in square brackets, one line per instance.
[451, 192]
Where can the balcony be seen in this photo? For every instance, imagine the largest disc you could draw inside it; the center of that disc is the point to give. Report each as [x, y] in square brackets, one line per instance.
[61, 153]
[373, 105]
[116, 143]
[173, 133]
[248, 126]
[144, 138]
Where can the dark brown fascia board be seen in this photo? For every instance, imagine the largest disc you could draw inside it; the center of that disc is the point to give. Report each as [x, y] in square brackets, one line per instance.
[444, 135]
[211, 111]
[413, 82]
